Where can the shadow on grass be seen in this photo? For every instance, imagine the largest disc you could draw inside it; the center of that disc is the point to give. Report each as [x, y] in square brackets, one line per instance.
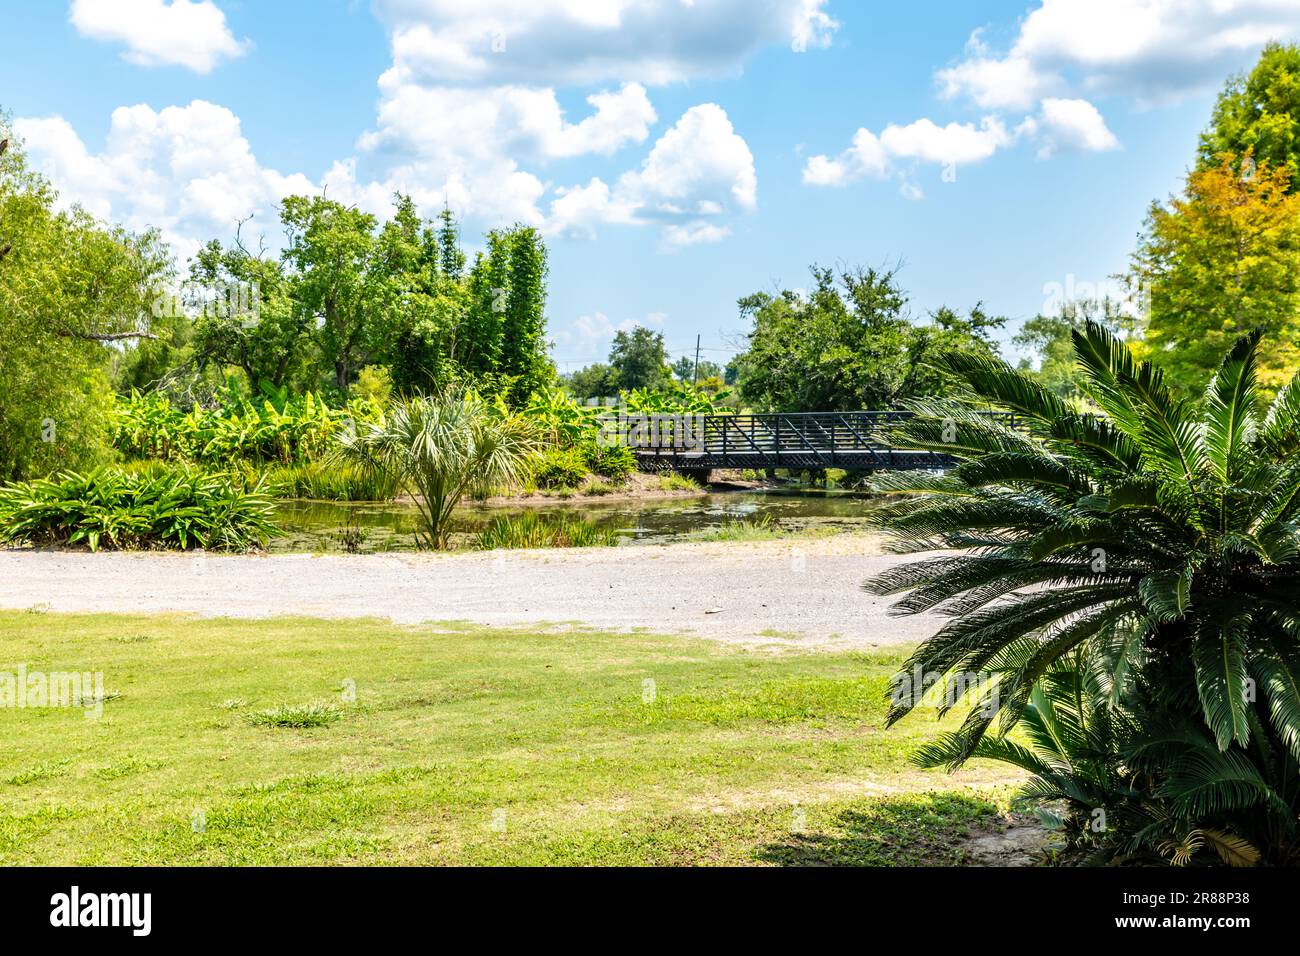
[922, 830]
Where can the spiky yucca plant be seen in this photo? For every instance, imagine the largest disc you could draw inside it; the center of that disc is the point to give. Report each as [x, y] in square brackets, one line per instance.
[1162, 536]
[436, 447]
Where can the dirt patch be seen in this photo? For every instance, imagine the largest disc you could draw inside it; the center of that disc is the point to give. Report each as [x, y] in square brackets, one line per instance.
[1016, 840]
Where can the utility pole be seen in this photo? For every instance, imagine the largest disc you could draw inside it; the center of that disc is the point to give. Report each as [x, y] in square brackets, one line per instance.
[695, 376]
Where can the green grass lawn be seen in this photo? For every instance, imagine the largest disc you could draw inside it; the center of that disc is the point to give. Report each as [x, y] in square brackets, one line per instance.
[464, 745]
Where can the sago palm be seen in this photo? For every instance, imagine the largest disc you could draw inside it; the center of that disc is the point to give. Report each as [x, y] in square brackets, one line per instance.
[1161, 532]
[436, 448]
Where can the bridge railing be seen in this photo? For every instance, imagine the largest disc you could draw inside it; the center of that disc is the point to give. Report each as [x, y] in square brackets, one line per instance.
[770, 435]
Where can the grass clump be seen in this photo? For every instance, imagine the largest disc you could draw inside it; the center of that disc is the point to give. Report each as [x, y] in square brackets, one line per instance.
[46, 770]
[131, 638]
[330, 481]
[296, 716]
[763, 528]
[534, 531]
[675, 482]
[128, 766]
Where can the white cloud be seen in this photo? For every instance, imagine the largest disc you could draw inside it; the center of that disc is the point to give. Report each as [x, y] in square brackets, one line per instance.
[1148, 49]
[581, 42]
[1065, 125]
[676, 236]
[1010, 83]
[702, 158]
[450, 125]
[470, 103]
[187, 170]
[922, 140]
[588, 330]
[699, 170]
[865, 157]
[469, 114]
[466, 145]
[599, 327]
[190, 172]
[160, 33]
[954, 143]
[578, 210]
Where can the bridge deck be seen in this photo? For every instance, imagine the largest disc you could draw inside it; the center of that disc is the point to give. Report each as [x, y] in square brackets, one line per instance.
[850, 440]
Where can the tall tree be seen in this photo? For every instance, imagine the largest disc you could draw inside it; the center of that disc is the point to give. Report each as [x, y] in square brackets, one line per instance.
[489, 283]
[1218, 261]
[640, 359]
[849, 344]
[1258, 115]
[329, 250]
[245, 316]
[595, 381]
[523, 346]
[451, 259]
[69, 287]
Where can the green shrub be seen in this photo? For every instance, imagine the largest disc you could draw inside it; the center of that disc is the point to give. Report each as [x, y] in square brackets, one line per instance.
[534, 531]
[281, 428]
[110, 508]
[560, 467]
[615, 462]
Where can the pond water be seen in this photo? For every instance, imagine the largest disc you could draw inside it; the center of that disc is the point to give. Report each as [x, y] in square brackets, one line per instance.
[322, 525]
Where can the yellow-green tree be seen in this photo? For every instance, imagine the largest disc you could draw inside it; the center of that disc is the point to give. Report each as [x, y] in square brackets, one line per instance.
[1218, 261]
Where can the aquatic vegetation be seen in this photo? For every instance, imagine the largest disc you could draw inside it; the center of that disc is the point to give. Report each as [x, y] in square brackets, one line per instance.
[535, 531]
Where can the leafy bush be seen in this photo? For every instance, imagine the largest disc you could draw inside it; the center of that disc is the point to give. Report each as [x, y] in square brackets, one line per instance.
[615, 462]
[281, 428]
[109, 508]
[1160, 538]
[560, 418]
[534, 531]
[559, 468]
[677, 399]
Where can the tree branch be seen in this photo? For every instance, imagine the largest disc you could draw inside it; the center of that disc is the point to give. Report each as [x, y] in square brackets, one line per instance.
[108, 336]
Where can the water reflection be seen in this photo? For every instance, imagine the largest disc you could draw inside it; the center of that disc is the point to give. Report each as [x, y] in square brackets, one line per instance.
[323, 525]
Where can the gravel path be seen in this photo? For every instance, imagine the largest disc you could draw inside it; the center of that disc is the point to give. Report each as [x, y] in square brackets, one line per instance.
[803, 593]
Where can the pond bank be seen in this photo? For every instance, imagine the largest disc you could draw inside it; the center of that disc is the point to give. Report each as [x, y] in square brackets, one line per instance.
[803, 593]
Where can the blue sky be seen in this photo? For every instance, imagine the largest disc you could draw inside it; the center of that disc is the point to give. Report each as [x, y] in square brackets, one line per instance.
[994, 148]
